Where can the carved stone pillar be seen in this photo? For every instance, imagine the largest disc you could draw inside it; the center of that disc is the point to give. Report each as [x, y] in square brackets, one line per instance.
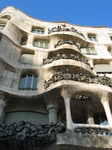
[2, 106]
[68, 110]
[52, 108]
[105, 103]
[90, 119]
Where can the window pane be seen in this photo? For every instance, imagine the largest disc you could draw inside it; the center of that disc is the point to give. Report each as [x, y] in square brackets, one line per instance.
[34, 31]
[93, 51]
[88, 51]
[83, 50]
[90, 38]
[46, 45]
[36, 43]
[38, 31]
[28, 116]
[22, 82]
[34, 87]
[42, 44]
[42, 32]
[29, 80]
[94, 39]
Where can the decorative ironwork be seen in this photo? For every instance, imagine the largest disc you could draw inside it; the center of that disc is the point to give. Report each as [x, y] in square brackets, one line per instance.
[66, 41]
[81, 97]
[85, 130]
[81, 77]
[64, 28]
[65, 56]
[24, 130]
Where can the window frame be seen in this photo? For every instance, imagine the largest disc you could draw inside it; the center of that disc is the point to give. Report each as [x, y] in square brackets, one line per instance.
[25, 85]
[37, 31]
[92, 38]
[91, 51]
[45, 44]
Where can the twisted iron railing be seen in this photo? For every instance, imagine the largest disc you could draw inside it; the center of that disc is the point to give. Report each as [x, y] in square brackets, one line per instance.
[65, 56]
[64, 28]
[80, 77]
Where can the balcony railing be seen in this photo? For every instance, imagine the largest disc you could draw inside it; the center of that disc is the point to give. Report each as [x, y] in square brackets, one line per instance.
[80, 77]
[66, 41]
[92, 129]
[65, 56]
[26, 134]
[64, 28]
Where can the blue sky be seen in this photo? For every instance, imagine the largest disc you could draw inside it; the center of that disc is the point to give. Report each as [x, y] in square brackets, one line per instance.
[80, 12]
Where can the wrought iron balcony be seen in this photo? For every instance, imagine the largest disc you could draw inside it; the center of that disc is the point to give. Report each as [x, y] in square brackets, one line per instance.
[65, 56]
[80, 77]
[26, 134]
[64, 28]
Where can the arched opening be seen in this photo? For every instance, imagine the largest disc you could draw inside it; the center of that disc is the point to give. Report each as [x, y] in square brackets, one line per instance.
[28, 82]
[86, 110]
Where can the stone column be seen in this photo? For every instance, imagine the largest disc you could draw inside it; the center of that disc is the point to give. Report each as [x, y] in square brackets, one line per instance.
[68, 113]
[52, 108]
[90, 119]
[105, 103]
[67, 99]
[2, 106]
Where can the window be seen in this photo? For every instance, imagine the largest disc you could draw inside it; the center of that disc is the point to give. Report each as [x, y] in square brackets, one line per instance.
[27, 59]
[23, 41]
[28, 116]
[28, 82]
[41, 44]
[2, 26]
[92, 38]
[37, 31]
[88, 51]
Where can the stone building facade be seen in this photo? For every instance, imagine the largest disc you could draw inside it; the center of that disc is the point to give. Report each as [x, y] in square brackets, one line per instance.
[55, 84]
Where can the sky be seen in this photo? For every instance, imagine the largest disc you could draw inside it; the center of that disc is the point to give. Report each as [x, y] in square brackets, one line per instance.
[79, 12]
